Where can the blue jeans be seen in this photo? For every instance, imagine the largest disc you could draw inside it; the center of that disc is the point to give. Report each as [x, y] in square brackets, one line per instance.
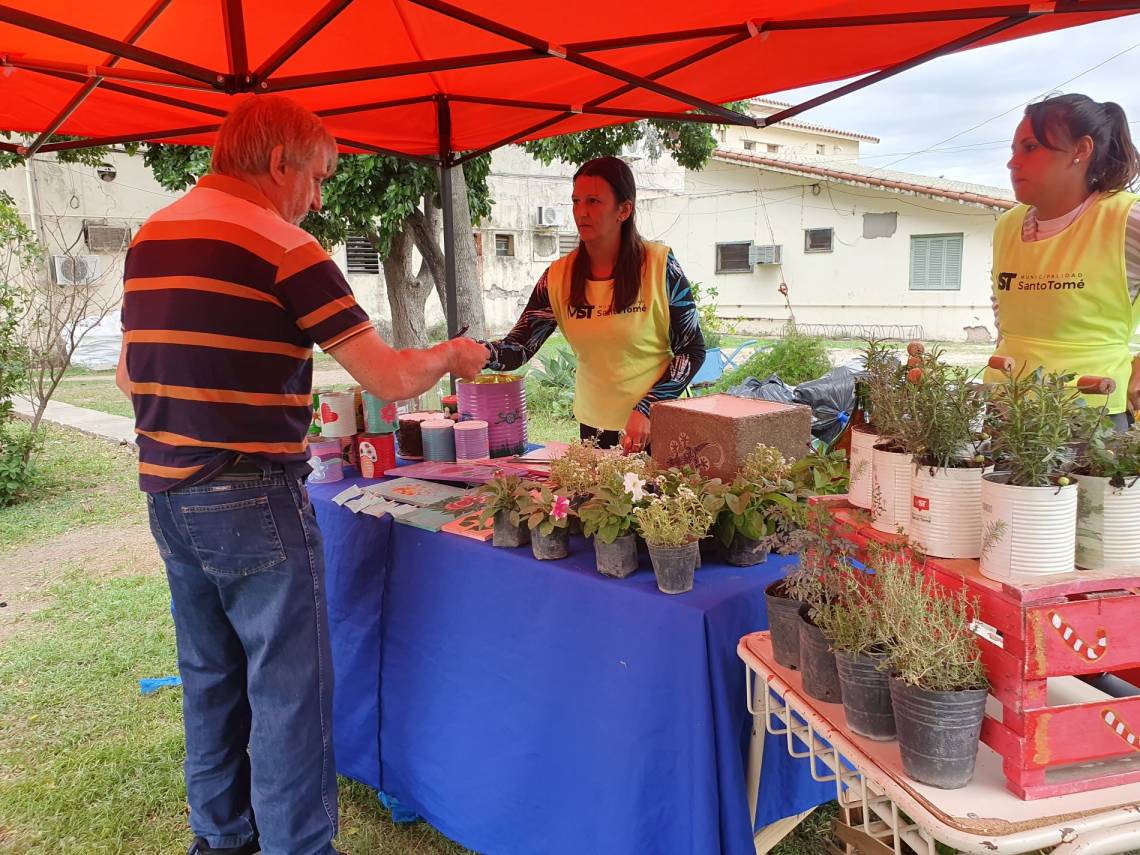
[246, 571]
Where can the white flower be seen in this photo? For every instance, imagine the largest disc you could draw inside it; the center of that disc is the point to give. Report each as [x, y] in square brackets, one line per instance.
[634, 486]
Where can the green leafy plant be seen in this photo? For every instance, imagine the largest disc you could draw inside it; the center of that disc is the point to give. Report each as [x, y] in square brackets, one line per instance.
[544, 508]
[824, 554]
[882, 388]
[576, 471]
[623, 485]
[713, 327]
[553, 379]
[503, 493]
[941, 412]
[821, 473]
[932, 642]
[20, 253]
[1034, 418]
[796, 357]
[854, 620]
[1115, 456]
[681, 510]
[757, 499]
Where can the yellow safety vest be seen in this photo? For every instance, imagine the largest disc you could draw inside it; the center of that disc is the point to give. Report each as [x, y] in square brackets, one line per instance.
[1063, 302]
[620, 356]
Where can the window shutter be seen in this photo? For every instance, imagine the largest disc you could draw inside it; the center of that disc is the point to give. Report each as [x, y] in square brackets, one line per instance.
[936, 262]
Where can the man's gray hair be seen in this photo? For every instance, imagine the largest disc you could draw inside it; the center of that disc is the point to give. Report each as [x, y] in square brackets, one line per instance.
[261, 122]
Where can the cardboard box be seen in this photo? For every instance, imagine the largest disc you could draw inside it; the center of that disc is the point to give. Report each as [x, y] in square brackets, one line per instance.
[715, 433]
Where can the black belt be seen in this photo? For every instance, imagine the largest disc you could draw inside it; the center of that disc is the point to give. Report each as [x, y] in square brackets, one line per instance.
[249, 467]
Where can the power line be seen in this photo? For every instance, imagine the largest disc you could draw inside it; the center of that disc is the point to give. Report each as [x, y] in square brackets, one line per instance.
[1015, 107]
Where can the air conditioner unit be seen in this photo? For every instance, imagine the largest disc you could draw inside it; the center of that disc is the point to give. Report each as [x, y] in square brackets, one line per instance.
[760, 253]
[104, 238]
[549, 216]
[74, 269]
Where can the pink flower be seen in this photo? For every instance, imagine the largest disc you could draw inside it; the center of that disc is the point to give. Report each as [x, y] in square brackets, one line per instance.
[560, 508]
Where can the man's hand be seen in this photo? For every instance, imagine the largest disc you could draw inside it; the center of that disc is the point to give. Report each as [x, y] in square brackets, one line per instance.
[466, 357]
[636, 434]
[1134, 387]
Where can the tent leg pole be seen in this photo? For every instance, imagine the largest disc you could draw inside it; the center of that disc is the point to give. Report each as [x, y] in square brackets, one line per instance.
[451, 304]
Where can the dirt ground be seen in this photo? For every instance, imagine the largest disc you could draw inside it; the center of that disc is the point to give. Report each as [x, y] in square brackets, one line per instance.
[101, 552]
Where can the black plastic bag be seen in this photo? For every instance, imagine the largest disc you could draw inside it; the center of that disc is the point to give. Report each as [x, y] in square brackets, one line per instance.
[772, 389]
[832, 399]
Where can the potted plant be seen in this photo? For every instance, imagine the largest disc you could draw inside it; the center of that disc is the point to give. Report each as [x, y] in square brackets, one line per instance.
[938, 685]
[879, 370]
[501, 498]
[608, 517]
[1029, 503]
[816, 584]
[672, 523]
[890, 461]
[1108, 502]
[942, 431]
[861, 635]
[546, 512]
[576, 473]
[746, 523]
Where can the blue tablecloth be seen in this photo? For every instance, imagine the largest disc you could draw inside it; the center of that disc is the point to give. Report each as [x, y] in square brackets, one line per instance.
[539, 707]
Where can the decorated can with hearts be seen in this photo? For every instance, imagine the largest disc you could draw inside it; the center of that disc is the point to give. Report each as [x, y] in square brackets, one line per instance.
[380, 416]
[338, 414]
[376, 453]
[325, 461]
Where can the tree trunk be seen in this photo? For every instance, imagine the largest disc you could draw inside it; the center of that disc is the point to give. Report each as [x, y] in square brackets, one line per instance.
[428, 230]
[407, 293]
[469, 294]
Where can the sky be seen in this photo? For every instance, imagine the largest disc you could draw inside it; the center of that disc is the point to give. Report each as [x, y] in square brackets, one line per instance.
[978, 97]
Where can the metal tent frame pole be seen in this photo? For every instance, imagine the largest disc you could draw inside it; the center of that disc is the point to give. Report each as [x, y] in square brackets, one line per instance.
[451, 274]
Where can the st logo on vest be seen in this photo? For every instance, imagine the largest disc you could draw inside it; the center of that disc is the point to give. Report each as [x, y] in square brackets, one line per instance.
[1004, 280]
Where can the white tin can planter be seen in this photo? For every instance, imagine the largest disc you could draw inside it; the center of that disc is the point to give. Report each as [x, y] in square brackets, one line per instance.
[1108, 524]
[863, 440]
[890, 490]
[1027, 531]
[946, 512]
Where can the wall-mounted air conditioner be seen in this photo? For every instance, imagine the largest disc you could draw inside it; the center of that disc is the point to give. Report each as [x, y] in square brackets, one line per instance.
[549, 216]
[74, 269]
[761, 253]
[101, 237]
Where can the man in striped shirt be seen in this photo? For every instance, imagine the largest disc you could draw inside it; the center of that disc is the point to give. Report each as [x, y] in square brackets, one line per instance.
[224, 298]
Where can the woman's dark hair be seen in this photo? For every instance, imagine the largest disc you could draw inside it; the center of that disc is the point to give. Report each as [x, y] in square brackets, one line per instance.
[631, 253]
[1115, 162]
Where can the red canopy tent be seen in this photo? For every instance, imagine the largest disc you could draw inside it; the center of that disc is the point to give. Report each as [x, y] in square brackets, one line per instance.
[443, 82]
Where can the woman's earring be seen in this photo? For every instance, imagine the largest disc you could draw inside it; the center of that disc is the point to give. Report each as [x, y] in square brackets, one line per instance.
[1076, 160]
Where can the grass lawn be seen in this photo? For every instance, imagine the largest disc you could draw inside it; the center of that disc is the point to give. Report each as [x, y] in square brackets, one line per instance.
[80, 481]
[95, 392]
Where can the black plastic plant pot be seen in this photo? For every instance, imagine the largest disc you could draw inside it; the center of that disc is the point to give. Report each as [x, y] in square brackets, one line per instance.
[784, 624]
[866, 695]
[746, 552]
[617, 559]
[938, 733]
[550, 547]
[817, 663]
[508, 535]
[674, 566]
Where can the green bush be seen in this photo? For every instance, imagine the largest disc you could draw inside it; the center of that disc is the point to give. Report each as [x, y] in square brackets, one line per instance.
[18, 444]
[550, 384]
[436, 332]
[796, 357]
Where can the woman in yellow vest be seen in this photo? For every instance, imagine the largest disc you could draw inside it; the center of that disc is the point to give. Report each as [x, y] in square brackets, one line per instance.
[1066, 270]
[626, 310]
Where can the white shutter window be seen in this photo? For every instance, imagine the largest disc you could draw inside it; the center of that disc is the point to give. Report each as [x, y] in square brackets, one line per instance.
[567, 243]
[936, 262]
[361, 255]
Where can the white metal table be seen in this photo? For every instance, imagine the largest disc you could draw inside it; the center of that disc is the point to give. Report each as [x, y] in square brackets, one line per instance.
[882, 809]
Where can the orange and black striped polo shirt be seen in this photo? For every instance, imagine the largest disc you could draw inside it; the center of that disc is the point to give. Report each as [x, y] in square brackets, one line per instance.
[222, 302]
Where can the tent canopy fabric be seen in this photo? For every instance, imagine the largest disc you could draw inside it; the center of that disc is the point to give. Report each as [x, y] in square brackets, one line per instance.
[432, 79]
